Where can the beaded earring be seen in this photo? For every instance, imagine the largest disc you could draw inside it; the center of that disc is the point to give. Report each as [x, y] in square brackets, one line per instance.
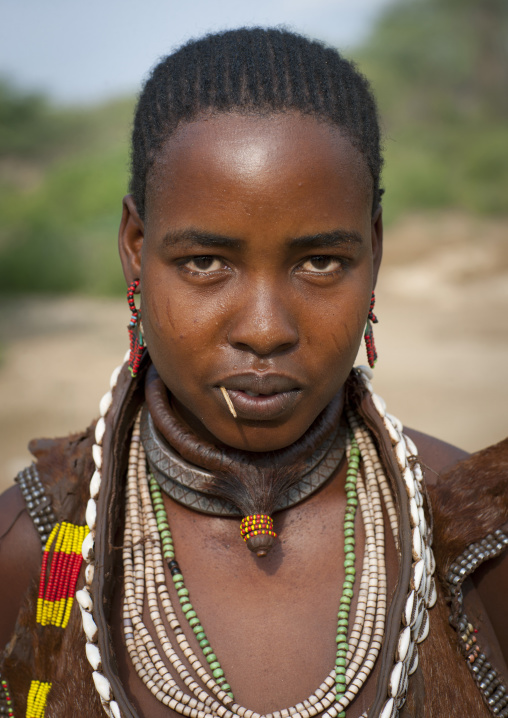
[369, 334]
[135, 328]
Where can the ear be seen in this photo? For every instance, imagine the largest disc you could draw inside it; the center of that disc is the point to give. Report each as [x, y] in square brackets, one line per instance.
[130, 240]
[377, 241]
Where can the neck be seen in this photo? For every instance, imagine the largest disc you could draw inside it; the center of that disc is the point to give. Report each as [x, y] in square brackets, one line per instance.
[251, 482]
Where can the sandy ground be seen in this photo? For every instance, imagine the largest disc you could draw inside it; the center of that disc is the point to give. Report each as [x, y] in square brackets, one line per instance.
[442, 302]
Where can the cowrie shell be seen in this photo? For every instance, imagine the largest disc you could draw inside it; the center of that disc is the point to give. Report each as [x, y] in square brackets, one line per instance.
[400, 455]
[423, 629]
[417, 574]
[84, 599]
[417, 470]
[366, 371]
[87, 548]
[396, 422]
[396, 681]
[89, 571]
[379, 404]
[402, 697]
[423, 521]
[97, 455]
[417, 545]
[94, 656]
[392, 431]
[115, 709]
[403, 644]
[417, 624]
[389, 709]
[409, 482]
[95, 484]
[410, 609]
[91, 514]
[413, 662]
[100, 428]
[105, 403]
[430, 561]
[103, 685]
[89, 626]
[410, 446]
[414, 516]
[114, 376]
[431, 596]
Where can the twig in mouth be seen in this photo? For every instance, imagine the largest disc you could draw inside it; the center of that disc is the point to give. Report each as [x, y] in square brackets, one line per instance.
[229, 402]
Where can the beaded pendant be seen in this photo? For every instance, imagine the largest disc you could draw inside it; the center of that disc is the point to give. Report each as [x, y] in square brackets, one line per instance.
[257, 532]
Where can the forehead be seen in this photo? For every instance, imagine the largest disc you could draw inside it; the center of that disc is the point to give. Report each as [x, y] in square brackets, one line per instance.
[262, 163]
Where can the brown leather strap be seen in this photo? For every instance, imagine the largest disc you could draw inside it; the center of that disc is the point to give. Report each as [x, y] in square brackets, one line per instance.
[127, 399]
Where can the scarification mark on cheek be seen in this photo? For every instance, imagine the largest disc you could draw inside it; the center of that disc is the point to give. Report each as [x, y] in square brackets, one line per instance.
[169, 315]
[348, 333]
[155, 319]
[337, 343]
[342, 339]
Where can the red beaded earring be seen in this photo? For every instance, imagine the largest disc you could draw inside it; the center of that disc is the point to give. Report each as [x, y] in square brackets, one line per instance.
[137, 342]
[369, 334]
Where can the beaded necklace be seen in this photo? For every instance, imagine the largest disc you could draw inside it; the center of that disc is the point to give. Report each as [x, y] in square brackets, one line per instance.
[144, 574]
[147, 520]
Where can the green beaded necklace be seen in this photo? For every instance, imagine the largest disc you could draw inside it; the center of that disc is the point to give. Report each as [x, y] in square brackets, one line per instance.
[168, 551]
[349, 570]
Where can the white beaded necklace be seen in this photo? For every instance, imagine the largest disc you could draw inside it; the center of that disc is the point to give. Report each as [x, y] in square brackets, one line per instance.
[144, 573]
[143, 559]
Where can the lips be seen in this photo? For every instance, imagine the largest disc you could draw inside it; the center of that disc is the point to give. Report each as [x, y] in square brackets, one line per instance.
[262, 397]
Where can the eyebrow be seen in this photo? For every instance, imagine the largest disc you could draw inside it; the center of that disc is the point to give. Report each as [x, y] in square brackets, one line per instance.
[193, 237]
[209, 240]
[334, 239]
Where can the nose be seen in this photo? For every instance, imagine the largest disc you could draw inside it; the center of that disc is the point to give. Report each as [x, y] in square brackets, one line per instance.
[264, 323]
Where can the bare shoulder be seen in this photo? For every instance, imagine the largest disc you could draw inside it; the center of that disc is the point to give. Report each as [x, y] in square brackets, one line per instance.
[437, 456]
[20, 557]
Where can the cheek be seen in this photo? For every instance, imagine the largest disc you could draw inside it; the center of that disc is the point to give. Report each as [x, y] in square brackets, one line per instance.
[177, 329]
[337, 327]
[161, 314]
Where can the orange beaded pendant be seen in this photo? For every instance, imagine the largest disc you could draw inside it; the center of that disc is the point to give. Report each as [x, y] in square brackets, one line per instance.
[257, 532]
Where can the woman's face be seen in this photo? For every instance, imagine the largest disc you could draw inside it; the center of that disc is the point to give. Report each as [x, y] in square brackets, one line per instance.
[257, 260]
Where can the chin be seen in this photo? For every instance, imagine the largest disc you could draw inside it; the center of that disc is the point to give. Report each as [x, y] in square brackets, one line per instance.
[261, 440]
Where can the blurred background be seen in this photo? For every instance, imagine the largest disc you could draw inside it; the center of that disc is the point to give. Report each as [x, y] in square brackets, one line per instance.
[69, 73]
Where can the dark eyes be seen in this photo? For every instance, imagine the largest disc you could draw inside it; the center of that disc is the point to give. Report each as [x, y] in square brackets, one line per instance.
[205, 264]
[318, 264]
[321, 264]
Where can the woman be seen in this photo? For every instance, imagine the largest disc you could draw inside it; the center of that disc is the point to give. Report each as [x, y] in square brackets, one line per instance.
[253, 234]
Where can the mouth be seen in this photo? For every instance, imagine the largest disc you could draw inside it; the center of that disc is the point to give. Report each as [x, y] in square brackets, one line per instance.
[262, 398]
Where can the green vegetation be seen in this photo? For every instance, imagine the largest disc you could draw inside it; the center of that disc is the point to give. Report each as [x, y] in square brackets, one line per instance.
[63, 174]
[439, 69]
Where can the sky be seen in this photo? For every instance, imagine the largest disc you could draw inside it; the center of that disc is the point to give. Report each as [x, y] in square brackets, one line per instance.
[81, 52]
